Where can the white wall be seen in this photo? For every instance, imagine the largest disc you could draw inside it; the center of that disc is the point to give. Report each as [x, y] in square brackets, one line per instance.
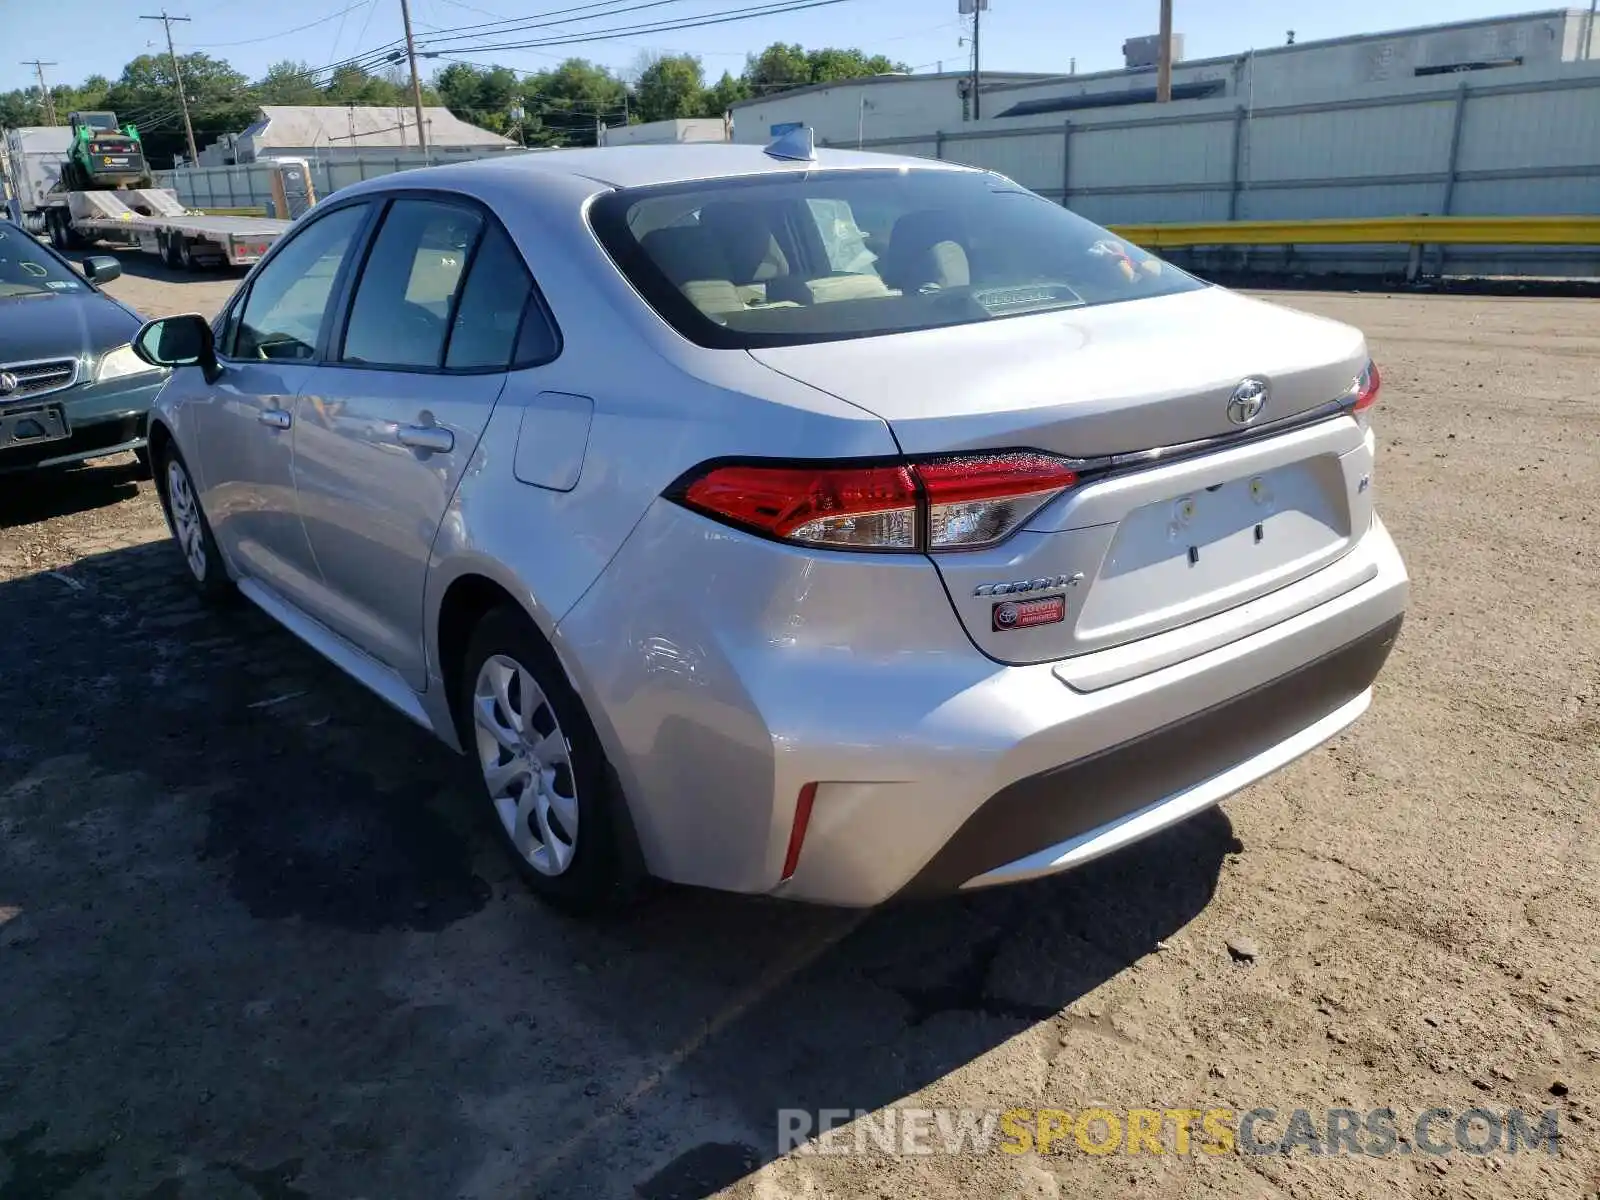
[1287, 74]
[894, 108]
[666, 133]
[1527, 138]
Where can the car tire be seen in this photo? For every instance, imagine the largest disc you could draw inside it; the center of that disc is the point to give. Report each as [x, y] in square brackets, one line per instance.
[537, 761]
[191, 532]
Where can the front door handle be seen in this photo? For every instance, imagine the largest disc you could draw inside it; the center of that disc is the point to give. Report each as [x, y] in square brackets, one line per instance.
[435, 438]
[275, 418]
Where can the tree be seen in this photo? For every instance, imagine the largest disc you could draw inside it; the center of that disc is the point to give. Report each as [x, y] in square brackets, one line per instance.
[565, 104]
[289, 82]
[670, 87]
[780, 67]
[828, 65]
[21, 107]
[146, 94]
[483, 96]
[777, 68]
[723, 94]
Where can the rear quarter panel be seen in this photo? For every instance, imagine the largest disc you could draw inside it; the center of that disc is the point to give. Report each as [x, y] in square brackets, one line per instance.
[660, 406]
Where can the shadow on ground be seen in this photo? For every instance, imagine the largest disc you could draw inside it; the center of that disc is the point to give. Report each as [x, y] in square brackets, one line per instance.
[136, 264]
[29, 497]
[253, 943]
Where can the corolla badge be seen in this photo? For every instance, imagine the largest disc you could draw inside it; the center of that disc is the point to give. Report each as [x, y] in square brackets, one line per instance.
[1023, 586]
[1248, 401]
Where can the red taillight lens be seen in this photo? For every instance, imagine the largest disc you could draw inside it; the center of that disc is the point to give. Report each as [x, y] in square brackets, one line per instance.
[957, 502]
[797, 830]
[977, 500]
[871, 508]
[1366, 388]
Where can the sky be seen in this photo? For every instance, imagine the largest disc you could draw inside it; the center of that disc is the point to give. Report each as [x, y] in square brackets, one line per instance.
[86, 37]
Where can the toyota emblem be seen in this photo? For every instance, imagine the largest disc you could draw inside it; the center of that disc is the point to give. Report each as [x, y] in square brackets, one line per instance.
[8, 383]
[1248, 401]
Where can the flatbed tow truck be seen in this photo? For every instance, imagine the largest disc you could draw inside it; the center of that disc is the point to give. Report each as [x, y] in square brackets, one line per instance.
[151, 219]
[154, 220]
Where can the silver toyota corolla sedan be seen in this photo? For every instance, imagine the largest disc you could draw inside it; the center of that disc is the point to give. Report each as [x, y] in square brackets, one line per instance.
[821, 524]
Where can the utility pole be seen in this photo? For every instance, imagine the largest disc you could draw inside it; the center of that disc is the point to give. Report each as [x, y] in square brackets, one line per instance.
[977, 16]
[177, 74]
[44, 90]
[1164, 70]
[416, 81]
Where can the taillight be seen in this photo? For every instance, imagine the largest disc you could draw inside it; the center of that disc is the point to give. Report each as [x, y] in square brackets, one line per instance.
[1366, 388]
[866, 508]
[959, 502]
[980, 499]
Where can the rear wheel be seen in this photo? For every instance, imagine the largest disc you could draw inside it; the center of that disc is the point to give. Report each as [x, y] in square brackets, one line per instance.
[169, 250]
[56, 227]
[541, 767]
[191, 531]
[186, 258]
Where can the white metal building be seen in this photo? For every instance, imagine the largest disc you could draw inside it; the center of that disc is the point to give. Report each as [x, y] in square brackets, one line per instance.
[666, 133]
[341, 130]
[876, 106]
[898, 106]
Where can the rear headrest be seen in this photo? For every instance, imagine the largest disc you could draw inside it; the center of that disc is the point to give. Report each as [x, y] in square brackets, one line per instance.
[685, 253]
[926, 247]
[745, 235]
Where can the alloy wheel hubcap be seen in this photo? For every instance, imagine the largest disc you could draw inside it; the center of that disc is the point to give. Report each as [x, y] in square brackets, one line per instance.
[526, 764]
[186, 519]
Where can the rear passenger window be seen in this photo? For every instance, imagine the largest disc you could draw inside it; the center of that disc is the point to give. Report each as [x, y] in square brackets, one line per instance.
[406, 299]
[498, 286]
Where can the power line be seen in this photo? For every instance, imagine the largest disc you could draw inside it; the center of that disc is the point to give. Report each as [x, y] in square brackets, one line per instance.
[509, 25]
[281, 33]
[471, 8]
[371, 8]
[603, 35]
[339, 33]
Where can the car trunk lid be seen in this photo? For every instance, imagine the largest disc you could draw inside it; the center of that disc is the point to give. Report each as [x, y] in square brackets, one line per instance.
[1162, 532]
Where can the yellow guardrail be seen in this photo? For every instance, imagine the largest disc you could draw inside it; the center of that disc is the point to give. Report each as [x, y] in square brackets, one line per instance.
[1415, 231]
[255, 210]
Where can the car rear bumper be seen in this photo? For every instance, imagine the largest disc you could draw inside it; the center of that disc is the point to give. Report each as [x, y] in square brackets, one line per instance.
[934, 767]
[1065, 816]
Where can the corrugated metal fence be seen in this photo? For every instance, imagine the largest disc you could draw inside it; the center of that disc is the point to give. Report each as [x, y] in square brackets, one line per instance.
[250, 186]
[1505, 143]
[1526, 147]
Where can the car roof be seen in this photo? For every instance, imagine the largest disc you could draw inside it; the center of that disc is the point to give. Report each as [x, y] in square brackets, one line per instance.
[642, 166]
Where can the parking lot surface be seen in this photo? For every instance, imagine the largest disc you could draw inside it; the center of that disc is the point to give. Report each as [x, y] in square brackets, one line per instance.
[254, 942]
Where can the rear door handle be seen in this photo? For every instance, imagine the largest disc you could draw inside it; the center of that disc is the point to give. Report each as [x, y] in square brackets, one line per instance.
[275, 418]
[436, 438]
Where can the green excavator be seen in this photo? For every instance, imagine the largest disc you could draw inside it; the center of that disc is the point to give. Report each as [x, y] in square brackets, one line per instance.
[104, 155]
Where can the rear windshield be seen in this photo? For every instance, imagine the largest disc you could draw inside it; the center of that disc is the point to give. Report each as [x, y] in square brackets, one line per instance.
[782, 260]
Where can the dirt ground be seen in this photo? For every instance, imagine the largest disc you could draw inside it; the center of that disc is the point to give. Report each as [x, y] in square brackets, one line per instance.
[254, 945]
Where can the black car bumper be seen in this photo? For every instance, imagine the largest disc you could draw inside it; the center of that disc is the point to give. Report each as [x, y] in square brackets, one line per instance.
[1066, 802]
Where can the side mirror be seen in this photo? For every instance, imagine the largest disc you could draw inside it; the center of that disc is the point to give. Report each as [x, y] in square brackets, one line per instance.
[101, 268]
[182, 341]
